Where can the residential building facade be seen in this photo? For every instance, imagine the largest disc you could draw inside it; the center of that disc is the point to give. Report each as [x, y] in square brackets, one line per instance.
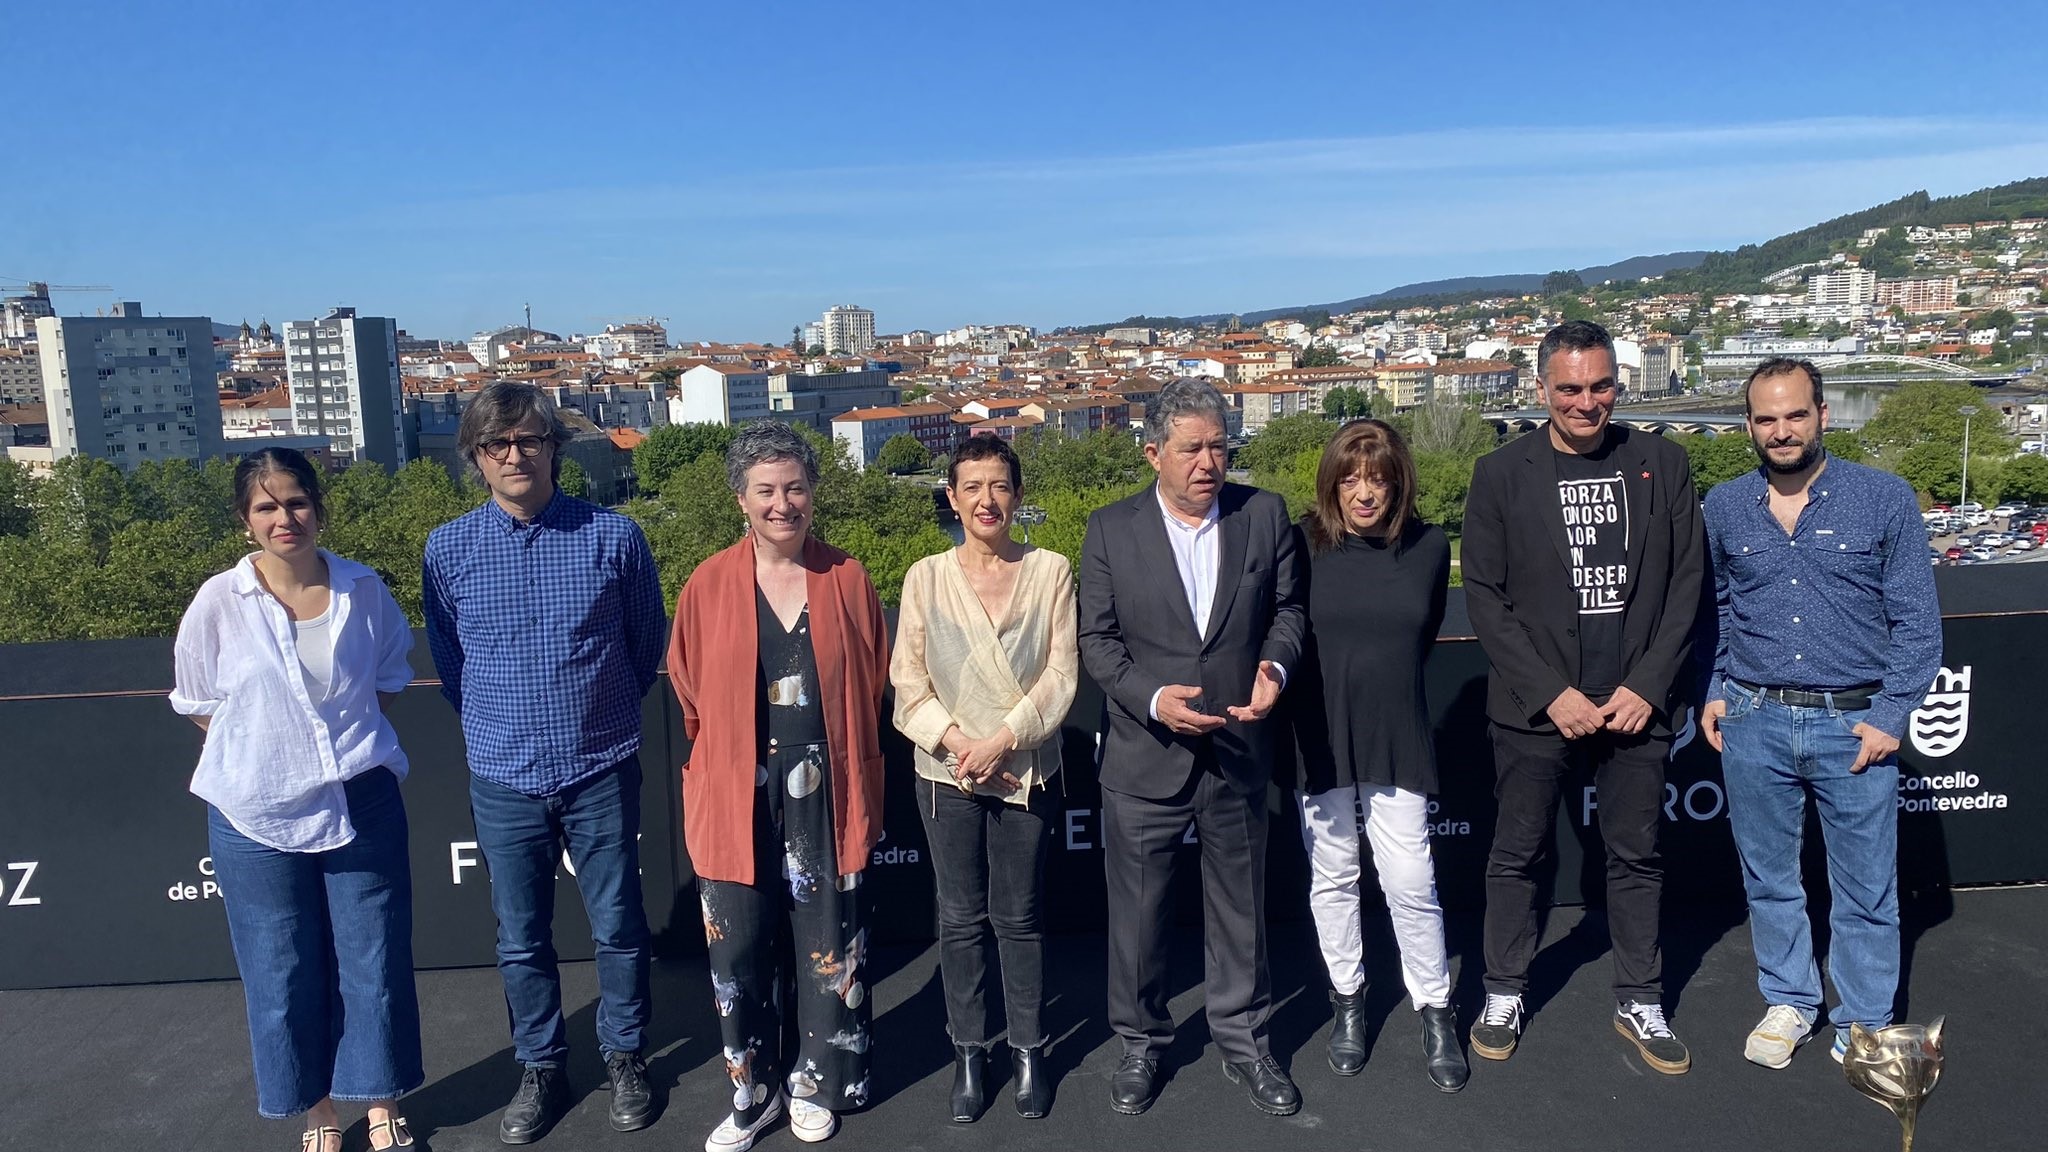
[344, 382]
[130, 387]
[847, 329]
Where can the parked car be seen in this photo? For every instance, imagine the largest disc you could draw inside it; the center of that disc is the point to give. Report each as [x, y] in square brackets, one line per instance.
[1976, 519]
[1982, 554]
[2008, 510]
[2023, 544]
[1996, 540]
[1969, 506]
[1952, 554]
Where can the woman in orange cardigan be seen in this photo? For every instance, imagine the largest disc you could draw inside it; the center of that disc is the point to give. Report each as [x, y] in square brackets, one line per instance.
[779, 655]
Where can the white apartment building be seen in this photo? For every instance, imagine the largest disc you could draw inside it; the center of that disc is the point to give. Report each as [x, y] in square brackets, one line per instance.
[720, 394]
[865, 430]
[21, 376]
[1842, 287]
[642, 339]
[848, 329]
[129, 387]
[344, 382]
[1920, 296]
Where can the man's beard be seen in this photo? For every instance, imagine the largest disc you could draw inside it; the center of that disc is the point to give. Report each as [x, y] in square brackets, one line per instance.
[1808, 453]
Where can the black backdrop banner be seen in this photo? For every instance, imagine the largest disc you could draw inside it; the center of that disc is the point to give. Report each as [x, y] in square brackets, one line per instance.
[104, 875]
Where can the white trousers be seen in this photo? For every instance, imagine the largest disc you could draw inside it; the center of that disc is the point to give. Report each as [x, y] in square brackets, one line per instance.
[1396, 821]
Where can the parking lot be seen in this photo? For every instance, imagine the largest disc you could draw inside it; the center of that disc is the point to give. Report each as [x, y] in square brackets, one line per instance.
[1973, 534]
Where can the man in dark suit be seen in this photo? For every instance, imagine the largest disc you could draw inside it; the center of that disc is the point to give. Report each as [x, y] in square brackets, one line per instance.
[1583, 562]
[1191, 612]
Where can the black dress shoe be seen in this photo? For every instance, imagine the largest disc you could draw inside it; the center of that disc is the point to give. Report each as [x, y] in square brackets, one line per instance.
[1268, 1085]
[632, 1097]
[1034, 1082]
[1347, 1032]
[1445, 1060]
[543, 1098]
[1132, 1088]
[970, 1080]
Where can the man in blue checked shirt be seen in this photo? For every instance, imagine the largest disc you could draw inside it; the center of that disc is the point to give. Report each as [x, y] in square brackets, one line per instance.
[544, 614]
[1830, 637]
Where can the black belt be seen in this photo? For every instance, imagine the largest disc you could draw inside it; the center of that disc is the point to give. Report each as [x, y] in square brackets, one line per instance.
[1845, 700]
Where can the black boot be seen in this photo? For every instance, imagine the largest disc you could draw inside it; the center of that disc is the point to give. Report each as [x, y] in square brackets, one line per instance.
[1446, 1061]
[543, 1098]
[1034, 1082]
[1347, 1033]
[970, 1080]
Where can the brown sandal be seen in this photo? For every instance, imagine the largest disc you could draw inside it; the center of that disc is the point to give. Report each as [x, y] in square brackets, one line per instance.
[401, 1136]
[315, 1139]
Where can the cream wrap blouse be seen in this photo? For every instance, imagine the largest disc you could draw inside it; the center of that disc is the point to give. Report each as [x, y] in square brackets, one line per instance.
[953, 665]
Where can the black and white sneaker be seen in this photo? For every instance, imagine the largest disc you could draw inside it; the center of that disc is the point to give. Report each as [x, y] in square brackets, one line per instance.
[1644, 1026]
[1499, 1027]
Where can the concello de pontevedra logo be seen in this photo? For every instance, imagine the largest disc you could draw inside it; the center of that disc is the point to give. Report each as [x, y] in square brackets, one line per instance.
[1942, 721]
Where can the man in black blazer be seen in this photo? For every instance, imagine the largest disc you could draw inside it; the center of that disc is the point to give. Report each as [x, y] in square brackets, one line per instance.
[1191, 612]
[1583, 562]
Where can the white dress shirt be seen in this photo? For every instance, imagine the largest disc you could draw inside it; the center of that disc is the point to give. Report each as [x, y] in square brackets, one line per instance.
[275, 758]
[1197, 556]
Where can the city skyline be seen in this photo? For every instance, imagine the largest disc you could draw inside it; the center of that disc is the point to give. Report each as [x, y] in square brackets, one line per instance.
[405, 167]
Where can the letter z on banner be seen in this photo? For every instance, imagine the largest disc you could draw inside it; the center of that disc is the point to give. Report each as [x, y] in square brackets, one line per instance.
[1940, 724]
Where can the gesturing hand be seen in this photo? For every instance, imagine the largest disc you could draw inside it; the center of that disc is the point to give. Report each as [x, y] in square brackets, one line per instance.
[1177, 713]
[1265, 693]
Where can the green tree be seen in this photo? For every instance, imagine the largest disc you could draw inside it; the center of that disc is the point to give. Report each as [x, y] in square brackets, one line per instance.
[1275, 446]
[17, 504]
[1345, 402]
[1448, 426]
[2026, 478]
[1845, 444]
[2001, 319]
[573, 479]
[669, 447]
[1932, 469]
[1563, 283]
[693, 516]
[1929, 412]
[1442, 482]
[1107, 459]
[1319, 356]
[902, 454]
[1718, 459]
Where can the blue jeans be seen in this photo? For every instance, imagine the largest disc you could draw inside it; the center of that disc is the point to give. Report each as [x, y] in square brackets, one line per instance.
[1776, 757]
[522, 838]
[323, 941]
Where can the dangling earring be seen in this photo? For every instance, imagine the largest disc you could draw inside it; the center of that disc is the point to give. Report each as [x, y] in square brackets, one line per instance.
[248, 537]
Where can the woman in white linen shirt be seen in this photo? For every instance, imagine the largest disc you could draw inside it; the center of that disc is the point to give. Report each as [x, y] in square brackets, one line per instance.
[984, 670]
[287, 661]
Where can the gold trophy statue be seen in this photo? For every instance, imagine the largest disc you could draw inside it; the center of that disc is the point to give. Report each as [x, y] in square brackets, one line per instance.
[1897, 1067]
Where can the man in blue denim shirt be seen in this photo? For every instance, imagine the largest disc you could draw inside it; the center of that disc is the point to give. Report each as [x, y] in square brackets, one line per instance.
[1830, 636]
[544, 615]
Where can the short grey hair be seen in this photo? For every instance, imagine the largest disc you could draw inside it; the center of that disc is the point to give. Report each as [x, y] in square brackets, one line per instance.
[1574, 336]
[1183, 397]
[501, 407]
[764, 442]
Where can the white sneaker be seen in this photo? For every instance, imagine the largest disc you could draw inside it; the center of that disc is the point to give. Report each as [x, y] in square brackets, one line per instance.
[811, 1123]
[1779, 1034]
[733, 1136]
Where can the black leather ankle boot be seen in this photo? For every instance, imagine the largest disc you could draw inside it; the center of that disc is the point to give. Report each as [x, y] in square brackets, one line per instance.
[970, 1081]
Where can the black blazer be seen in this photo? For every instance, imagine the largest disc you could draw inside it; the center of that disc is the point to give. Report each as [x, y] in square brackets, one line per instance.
[1138, 635]
[1518, 576]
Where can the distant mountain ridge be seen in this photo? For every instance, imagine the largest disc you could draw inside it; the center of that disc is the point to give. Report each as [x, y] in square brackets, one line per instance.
[1740, 270]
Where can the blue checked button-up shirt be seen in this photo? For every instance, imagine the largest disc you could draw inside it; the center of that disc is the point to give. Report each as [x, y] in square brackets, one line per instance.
[1846, 599]
[547, 635]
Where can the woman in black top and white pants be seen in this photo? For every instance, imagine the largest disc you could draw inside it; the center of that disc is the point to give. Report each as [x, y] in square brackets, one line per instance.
[1361, 726]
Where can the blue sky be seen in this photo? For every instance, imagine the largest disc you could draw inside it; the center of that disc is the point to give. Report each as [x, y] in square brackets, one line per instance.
[736, 168]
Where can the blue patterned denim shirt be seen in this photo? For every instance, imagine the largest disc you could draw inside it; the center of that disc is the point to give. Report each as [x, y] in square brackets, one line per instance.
[1846, 599]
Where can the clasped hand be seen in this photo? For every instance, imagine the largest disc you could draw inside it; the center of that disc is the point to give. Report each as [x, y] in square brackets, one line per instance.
[1577, 717]
[1178, 704]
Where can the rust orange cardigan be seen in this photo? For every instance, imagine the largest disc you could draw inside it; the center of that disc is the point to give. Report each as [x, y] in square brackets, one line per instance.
[713, 652]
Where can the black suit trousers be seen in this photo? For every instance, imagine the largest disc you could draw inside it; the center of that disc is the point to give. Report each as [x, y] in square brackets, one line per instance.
[1530, 769]
[1141, 840]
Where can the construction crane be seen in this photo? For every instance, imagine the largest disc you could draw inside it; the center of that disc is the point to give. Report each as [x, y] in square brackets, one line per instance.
[43, 289]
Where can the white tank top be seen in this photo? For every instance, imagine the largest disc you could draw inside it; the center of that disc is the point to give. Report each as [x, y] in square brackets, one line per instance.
[316, 652]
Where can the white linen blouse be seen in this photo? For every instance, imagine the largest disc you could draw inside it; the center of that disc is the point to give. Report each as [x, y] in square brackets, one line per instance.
[275, 759]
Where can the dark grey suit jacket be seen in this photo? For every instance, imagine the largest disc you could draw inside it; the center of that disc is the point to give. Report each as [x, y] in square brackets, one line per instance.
[1138, 635]
[1518, 580]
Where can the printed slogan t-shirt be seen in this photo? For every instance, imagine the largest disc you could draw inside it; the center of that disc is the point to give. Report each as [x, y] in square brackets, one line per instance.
[1596, 527]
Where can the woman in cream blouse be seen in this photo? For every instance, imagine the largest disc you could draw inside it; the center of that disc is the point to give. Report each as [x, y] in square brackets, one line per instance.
[984, 671]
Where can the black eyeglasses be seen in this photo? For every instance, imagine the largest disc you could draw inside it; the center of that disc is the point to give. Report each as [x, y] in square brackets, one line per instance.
[529, 446]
